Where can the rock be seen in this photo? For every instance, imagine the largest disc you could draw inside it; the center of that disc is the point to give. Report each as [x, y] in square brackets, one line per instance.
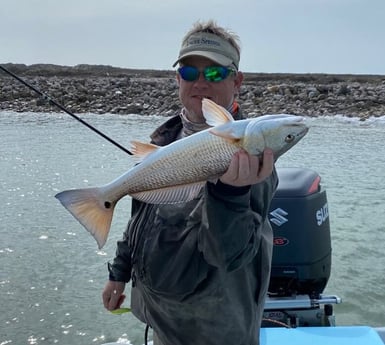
[102, 89]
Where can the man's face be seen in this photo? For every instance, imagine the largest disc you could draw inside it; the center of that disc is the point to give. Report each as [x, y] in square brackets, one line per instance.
[191, 93]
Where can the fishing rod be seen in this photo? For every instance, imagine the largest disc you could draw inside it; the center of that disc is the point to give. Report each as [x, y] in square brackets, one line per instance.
[52, 101]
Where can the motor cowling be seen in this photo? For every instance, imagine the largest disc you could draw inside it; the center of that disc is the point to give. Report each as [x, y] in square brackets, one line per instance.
[299, 217]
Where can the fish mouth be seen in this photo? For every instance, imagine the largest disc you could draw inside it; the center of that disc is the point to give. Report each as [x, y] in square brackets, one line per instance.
[303, 132]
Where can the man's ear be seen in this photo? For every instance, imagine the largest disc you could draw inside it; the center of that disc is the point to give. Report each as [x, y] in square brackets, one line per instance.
[177, 77]
[238, 82]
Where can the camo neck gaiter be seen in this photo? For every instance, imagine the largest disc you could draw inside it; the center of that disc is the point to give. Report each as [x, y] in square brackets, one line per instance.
[191, 127]
[194, 127]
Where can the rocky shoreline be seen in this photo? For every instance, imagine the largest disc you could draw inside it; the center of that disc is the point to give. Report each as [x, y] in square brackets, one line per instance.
[106, 89]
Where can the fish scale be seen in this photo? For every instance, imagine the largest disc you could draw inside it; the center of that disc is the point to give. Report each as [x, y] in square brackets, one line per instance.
[208, 155]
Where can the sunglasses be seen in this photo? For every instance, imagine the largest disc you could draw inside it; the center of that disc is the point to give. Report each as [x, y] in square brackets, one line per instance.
[213, 74]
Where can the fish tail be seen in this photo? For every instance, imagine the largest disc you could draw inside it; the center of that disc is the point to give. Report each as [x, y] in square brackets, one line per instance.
[89, 208]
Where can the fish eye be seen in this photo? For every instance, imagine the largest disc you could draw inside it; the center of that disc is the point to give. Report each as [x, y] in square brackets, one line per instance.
[289, 138]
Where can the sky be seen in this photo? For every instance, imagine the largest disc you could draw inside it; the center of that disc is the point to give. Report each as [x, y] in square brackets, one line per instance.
[278, 36]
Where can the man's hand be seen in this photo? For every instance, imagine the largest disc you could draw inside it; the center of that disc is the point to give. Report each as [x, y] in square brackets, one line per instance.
[113, 296]
[245, 169]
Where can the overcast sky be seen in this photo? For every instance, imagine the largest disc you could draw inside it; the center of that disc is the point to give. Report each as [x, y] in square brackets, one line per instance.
[290, 36]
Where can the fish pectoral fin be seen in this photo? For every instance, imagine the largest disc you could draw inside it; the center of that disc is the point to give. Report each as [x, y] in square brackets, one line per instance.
[170, 195]
[226, 134]
[142, 150]
[215, 114]
[89, 209]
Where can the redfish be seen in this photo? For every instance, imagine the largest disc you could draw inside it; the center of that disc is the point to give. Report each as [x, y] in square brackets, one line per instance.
[177, 172]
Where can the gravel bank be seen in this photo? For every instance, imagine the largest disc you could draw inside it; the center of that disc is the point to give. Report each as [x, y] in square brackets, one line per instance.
[106, 89]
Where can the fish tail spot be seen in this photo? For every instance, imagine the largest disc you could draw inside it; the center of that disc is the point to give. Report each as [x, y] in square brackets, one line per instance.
[89, 208]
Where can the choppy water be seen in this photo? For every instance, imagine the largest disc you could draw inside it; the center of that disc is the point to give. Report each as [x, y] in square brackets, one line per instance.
[51, 273]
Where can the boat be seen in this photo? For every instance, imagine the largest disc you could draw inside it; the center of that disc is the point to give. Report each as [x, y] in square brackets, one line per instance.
[297, 312]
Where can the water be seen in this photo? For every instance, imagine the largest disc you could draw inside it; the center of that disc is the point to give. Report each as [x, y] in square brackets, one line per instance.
[52, 274]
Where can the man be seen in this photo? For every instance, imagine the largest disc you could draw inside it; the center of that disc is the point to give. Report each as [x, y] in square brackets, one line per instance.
[200, 270]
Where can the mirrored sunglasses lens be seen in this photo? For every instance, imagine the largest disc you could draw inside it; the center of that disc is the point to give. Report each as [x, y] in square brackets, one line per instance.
[189, 73]
[216, 73]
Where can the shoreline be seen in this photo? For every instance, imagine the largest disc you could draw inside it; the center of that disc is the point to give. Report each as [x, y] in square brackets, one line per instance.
[105, 89]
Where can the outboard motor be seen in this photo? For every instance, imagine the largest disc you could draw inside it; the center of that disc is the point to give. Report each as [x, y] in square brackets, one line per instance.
[302, 245]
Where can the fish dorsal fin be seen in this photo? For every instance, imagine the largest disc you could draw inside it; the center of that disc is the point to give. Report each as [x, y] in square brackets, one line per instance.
[215, 114]
[142, 150]
[170, 195]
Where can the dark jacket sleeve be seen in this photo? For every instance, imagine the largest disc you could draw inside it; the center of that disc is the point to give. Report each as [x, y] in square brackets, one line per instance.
[120, 268]
[230, 235]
